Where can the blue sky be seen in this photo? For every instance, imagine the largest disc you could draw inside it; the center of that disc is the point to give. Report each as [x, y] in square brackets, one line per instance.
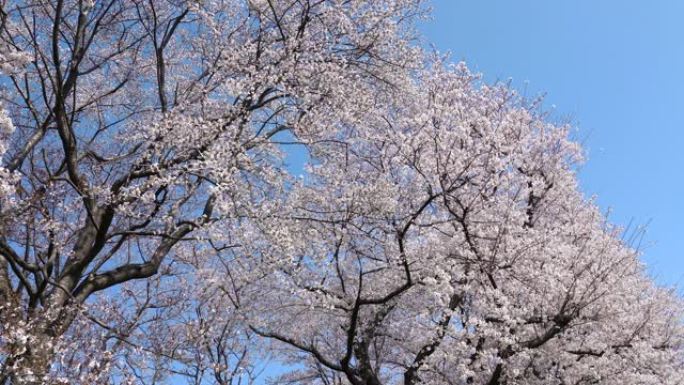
[615, 69]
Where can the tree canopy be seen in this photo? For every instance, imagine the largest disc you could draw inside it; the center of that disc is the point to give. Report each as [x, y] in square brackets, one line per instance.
[151, 231]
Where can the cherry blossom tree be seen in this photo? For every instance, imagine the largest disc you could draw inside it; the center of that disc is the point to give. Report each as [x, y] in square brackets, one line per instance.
[139, 127]
[446, 242]
[151, 231]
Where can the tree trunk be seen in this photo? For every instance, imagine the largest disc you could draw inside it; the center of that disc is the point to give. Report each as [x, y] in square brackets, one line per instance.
[30, 363]
[33, 366]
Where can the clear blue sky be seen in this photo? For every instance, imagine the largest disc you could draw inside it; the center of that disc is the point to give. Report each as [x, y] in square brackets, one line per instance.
[615, 68]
